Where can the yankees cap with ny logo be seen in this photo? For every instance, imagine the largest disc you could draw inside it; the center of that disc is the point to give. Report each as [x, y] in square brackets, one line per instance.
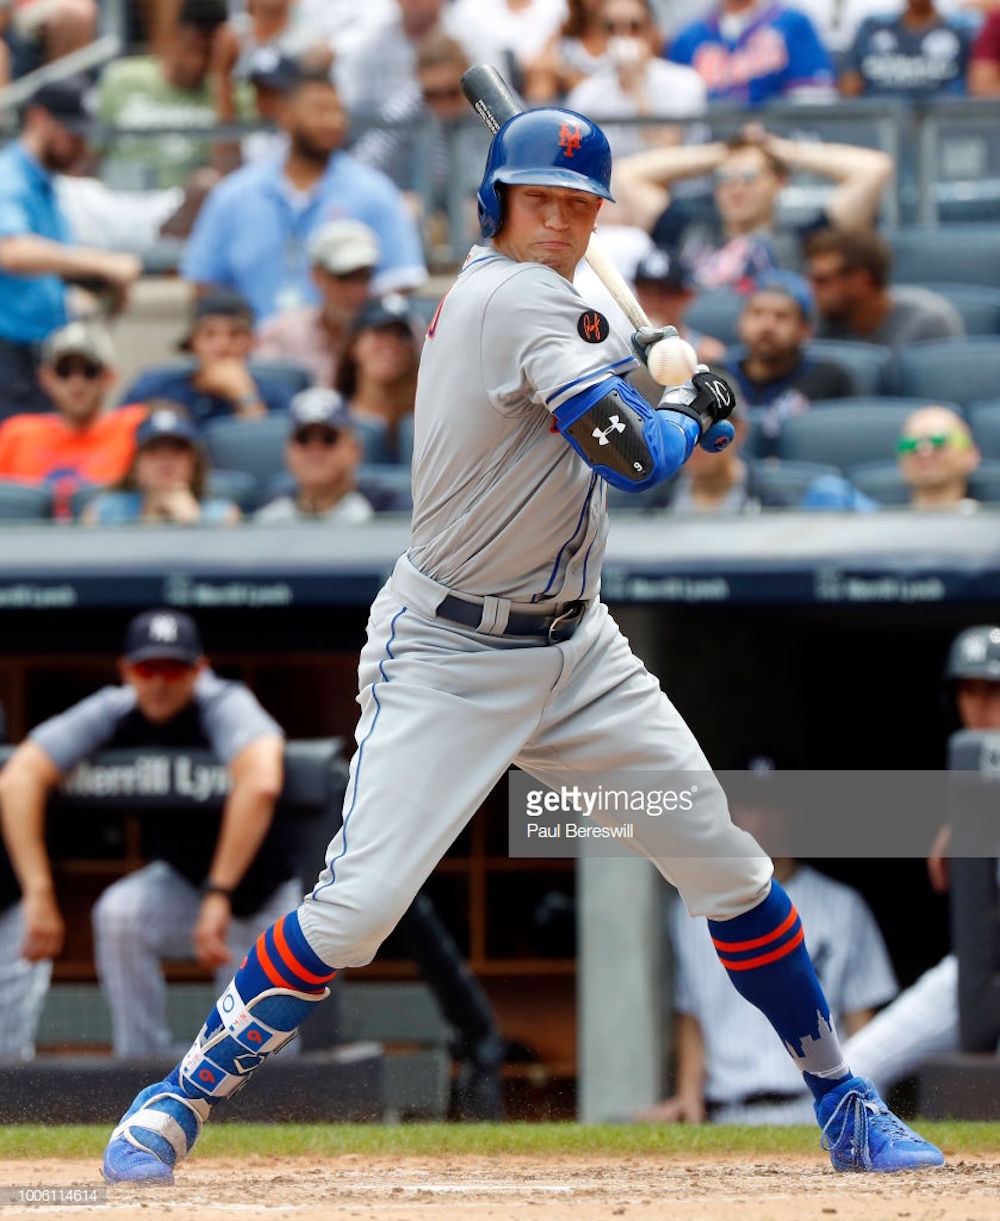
[163, 633]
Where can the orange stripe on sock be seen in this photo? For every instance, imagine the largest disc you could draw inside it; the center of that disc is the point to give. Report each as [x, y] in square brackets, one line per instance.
[270, 971]
[290, 961]
[734, 947]
[747, 964]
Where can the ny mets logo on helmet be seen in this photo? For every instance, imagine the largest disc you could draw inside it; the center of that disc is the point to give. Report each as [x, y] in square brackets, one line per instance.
[569, 138]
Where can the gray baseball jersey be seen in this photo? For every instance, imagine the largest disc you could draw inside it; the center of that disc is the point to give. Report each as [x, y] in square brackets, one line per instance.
[502, 505]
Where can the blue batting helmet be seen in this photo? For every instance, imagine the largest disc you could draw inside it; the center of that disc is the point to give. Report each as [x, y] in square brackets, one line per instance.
[545, 147]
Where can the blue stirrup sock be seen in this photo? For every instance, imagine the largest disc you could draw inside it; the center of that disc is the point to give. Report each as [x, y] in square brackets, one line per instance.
[765, 953]
[278, 984]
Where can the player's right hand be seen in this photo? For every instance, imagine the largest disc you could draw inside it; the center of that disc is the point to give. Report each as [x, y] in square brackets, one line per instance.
[44, 929]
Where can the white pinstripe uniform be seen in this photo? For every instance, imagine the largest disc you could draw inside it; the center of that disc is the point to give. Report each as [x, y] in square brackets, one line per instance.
[742, 1056]
[23, 987]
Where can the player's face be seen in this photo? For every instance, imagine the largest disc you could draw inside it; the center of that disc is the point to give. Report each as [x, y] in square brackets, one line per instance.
[746, 188]
[978, 702]
[77, 386]
[550, 225]
[163, 687]
[343, 296]
[220, 337]
[772, 326]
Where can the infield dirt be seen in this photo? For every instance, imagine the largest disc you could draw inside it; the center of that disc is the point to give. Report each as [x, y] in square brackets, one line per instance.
[518, 1188]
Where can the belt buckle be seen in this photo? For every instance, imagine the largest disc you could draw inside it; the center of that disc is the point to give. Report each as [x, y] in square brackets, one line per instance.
[564, 625]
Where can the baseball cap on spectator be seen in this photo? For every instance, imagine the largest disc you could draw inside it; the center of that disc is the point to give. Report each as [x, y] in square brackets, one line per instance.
[789, 285]
[167, 634]
[79, 339]
[664, 267]
[343, 246]
[391, 311]
[219, 302]
[166, 421]
[270, 69]
[67, 101]
[318, 406]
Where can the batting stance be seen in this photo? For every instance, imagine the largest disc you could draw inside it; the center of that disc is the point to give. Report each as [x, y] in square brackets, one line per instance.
[490, 645]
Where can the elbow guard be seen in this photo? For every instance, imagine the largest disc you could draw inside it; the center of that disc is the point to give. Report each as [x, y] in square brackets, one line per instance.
[627, 442]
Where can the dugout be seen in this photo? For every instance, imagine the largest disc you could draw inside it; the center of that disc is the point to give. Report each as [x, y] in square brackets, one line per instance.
[825, 632]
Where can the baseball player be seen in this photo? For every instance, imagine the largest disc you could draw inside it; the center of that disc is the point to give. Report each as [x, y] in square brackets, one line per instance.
[213, 882]
[924, 1019]
[489, 645]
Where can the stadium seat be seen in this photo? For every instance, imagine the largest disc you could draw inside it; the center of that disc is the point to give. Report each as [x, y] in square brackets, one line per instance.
[844, 434]
[404, 441]
[255, 447]
[387, 487]
[237, 486]
[959, 370]
[373, 436]
[978, 305]
[24, 502]
[872, 368]
[715, 312]
[953, 254]
[784, 483]
[984, 418]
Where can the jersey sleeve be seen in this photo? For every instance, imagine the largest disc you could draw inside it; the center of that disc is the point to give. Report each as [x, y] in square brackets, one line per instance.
[541, 339]
[83, 729]
[231, 716]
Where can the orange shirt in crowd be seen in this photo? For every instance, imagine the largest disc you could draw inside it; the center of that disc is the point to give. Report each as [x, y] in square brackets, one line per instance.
[42, 449]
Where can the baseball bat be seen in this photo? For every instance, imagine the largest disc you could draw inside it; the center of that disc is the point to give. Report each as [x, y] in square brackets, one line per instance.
[495, 102]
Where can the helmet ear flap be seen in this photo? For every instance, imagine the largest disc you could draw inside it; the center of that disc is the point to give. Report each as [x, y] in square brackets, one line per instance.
[490, 208]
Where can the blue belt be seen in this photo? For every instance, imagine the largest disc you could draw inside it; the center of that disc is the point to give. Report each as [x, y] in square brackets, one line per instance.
[555, 627]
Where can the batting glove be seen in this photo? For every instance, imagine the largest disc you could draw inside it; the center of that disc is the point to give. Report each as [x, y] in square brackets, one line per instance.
[644, 338]
[707, 398]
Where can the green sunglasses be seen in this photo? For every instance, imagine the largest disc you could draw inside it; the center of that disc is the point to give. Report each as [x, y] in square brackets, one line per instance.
[910, 445]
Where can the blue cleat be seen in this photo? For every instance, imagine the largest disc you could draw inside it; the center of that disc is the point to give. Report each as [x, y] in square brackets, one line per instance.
[862, 1134]
[157, 1131]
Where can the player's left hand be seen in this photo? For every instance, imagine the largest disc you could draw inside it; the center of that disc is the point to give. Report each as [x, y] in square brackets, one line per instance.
[209, 939]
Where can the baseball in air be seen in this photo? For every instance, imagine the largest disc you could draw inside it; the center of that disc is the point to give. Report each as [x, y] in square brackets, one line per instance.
[671, 361]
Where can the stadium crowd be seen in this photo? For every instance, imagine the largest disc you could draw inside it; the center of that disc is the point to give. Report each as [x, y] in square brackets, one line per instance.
[306, 162]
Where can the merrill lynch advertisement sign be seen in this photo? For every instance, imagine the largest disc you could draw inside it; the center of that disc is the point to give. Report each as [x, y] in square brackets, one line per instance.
[150, 777]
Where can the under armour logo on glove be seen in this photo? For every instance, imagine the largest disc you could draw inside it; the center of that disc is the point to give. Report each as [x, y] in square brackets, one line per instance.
[614, 425]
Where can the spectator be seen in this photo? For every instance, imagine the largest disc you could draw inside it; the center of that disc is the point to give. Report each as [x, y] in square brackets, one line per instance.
[428, 146]
[271, 75]
[520, 28]
[214, 881]
[275, 25]
[849, 272]
[174, 89]
[725, 1069]
[665, 289]
[41, 31]
[937, 455]
[751, 52]
[745, 237]
[638, 84]
[579, 49]
[984, 67]
[915, 54]
[250, 238]
[344, 255]
[81, 443]
[36, 258]
[384, 63]
[220, 339]
[378, 374]
[924, 1019]
[322, 456]
[166, 483]
[776, 372]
